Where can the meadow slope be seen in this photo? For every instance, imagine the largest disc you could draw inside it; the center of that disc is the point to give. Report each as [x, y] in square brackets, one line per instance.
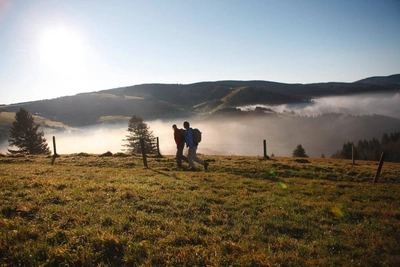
[93, 210]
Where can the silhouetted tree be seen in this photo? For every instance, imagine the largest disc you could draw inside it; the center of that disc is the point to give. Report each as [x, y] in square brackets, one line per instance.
[347, 151]
[300, 152]
[372, 149]
[385, 139]
[24, 135]
[137, 130]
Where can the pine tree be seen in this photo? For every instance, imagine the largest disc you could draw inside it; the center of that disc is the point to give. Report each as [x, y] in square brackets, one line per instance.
[137, 130]
[24, 135]
[372, 149]
[300, 152]
[346, 152]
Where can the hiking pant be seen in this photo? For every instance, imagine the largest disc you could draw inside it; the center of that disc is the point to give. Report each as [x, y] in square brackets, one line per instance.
[193, 157]
[180, 156]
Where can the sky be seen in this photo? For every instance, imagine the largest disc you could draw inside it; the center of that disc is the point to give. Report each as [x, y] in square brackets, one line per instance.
[54, 48]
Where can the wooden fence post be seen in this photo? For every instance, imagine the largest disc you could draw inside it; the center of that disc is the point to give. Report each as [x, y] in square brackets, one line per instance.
[53, 159]
[158, 148]
[265, 150]
[378, 172]
[143, 152]
[352, 154]
[54, 145]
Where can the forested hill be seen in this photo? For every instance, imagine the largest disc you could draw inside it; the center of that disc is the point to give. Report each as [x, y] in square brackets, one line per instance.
[204, 91]
[382, 80]
[163, 101]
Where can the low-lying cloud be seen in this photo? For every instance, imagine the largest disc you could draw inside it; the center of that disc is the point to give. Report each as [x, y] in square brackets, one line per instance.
[318, 134]
[387, 104]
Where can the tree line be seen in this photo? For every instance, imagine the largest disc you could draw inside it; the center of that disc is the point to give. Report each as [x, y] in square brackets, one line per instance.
[372, 149]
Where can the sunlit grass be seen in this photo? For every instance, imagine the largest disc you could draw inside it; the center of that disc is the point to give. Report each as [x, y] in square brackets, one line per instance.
[89, 210]
[6, 118]
[113, 119]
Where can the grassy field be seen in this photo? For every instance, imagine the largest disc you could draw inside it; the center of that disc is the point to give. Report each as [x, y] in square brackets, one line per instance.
[92, 210]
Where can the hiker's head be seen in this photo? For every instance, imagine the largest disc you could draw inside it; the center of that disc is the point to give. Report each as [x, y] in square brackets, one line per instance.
[186, 124]
[174, 127]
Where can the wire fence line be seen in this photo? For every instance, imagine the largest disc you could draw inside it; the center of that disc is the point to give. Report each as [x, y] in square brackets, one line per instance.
[245, 149]
[99, 146]
[269, 146]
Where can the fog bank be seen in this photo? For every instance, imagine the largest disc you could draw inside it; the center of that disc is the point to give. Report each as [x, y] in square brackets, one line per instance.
[387, 104]
[244, 135]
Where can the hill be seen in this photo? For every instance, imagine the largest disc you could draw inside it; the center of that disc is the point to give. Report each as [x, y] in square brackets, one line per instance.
[163, 101]
[382, 80]
[88, 108]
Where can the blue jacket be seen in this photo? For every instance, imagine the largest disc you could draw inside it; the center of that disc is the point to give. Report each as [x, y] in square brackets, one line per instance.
[189, 138]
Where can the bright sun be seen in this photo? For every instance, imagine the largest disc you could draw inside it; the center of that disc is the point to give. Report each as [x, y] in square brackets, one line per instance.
[61, 49]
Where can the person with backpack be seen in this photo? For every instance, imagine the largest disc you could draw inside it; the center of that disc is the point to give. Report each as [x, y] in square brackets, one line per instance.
[192, 145]
[179, 136]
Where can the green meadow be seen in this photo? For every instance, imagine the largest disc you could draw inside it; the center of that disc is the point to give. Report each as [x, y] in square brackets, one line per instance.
[98, 210]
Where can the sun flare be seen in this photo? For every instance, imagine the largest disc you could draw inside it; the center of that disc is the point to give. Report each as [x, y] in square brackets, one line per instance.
[60, 48]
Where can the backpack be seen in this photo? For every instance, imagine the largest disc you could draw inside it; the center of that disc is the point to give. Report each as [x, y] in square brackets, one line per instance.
[183, 134]
[196, 135]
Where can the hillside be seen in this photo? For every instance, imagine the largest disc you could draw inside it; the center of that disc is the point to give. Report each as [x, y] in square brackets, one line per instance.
[97, 210]
[88, 108]
[191, 95]
[382, 80]
[149, 102]
[164, 101]
[7, 118]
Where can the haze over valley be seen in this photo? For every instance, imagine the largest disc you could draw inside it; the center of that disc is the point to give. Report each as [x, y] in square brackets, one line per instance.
[234, 117]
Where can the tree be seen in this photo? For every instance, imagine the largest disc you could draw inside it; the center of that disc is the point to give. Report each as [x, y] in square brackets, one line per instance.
[24, 135]
[347, 151]
[300, 152]
[372, 149]
[137, 130]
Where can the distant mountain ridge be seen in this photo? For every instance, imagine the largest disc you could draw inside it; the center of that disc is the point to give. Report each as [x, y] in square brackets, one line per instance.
[163, 101]
[382, 80]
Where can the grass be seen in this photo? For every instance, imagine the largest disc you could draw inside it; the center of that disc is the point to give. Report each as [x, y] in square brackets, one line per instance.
[93, 210]
[113, 119]
[6, 119]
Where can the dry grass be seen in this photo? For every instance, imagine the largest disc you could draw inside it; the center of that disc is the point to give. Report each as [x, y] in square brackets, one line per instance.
[6, 119]
[92, 210]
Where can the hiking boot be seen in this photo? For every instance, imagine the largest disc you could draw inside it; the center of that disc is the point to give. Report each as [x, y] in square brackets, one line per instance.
[205, 165]
[192, 169]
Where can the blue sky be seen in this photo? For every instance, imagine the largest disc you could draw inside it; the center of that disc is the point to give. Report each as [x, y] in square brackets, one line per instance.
[53, 48]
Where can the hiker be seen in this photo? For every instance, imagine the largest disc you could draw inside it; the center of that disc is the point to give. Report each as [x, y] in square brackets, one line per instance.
[192, 148]
[179, 136]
